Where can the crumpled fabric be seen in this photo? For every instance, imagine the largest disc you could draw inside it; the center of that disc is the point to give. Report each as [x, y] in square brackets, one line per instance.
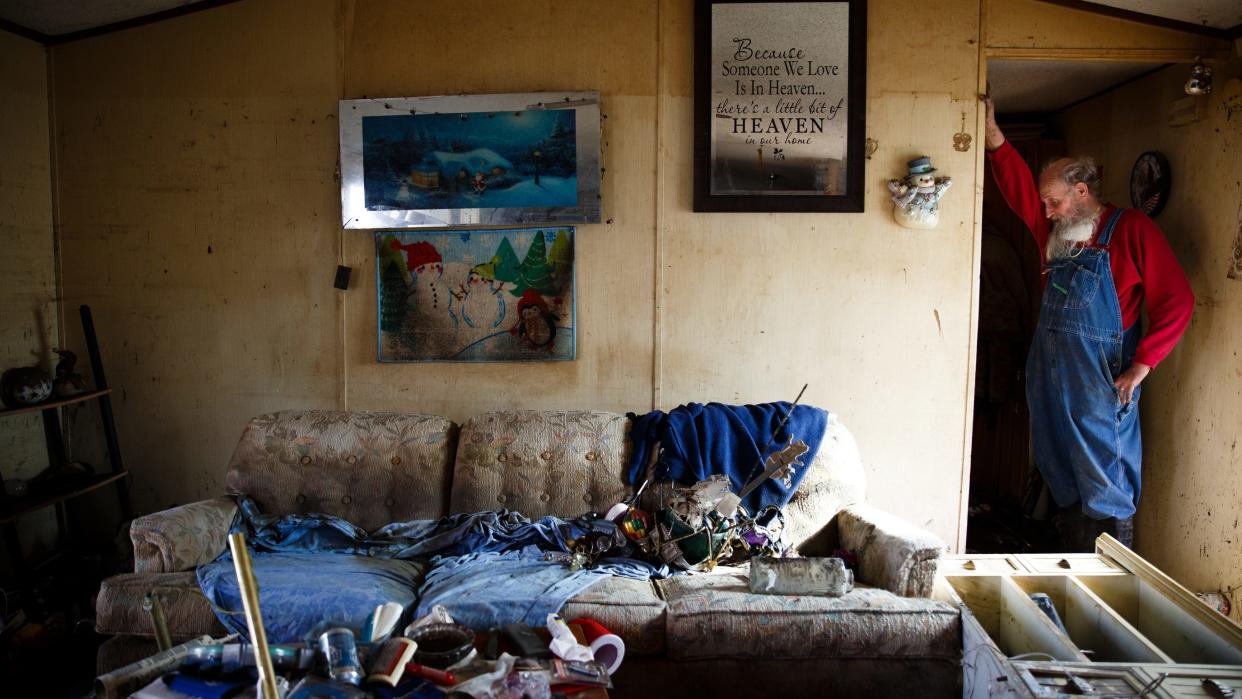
[698, 441]
[492, 588]
[486, 568]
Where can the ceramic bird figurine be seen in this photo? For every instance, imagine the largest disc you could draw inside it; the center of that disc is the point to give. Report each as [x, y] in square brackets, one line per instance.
[67, 382]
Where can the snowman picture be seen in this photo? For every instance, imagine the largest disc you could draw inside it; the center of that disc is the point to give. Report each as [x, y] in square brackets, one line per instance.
[430, 322]
[469, 296]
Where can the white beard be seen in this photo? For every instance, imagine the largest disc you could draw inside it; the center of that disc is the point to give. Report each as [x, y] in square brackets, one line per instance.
[1065, 236]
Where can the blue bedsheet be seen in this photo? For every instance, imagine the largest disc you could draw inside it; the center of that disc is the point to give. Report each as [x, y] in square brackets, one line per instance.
[485, 567]
[297, 590]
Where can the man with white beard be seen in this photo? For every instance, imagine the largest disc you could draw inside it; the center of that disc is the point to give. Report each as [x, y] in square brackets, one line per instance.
[1102, 266]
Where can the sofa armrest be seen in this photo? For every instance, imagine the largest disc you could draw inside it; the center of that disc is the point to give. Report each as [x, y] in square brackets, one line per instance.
[892, 553]
[182, 538]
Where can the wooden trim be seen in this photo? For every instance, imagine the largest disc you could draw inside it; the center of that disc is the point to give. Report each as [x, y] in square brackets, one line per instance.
[976, 263]
[1089, 54]
[170, 13]
[81, 397]
[24, 32]
[1142, 18]
[13, 507]
[1234, 32]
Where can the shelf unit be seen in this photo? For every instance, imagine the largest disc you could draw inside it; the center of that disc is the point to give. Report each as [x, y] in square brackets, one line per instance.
[57, 489]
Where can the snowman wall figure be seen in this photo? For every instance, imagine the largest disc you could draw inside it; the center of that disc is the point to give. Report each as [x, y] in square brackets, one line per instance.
[916, 197]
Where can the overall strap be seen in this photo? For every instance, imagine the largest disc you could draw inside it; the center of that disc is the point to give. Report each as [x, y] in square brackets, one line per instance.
[1107, 234]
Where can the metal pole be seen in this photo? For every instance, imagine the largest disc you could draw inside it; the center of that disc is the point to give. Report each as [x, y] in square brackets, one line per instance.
[154, 605]
[254, 619]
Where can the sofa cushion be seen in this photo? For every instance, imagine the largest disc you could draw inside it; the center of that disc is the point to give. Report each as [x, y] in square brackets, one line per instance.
[118, 608]
[183, 537]
[627, 607]
[298, 591]
[715, 615]
[834, 480]
[368, 468]
[540, 463]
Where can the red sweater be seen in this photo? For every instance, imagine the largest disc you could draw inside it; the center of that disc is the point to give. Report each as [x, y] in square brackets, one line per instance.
[1142, 262]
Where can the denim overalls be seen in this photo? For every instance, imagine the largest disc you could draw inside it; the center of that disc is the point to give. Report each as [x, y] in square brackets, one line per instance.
[1086, 442]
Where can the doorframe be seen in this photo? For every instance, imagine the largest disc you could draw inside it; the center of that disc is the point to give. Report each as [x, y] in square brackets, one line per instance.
[986, 53]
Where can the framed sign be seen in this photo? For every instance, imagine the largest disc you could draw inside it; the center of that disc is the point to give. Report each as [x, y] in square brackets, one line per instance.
[780, 97]
[469, 160]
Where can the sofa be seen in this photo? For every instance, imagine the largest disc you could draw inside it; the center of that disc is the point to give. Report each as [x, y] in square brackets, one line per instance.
[692, 635]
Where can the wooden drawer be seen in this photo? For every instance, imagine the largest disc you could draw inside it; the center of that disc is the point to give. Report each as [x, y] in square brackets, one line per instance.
[1120, 625]
[983, 564]
[1067, 563]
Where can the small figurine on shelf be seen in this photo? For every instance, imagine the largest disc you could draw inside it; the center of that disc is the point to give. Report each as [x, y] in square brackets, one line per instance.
[67, 382]
[27, 385]
[916, 198]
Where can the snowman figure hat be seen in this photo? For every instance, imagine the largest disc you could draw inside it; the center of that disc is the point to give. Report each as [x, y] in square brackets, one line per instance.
[920, 167]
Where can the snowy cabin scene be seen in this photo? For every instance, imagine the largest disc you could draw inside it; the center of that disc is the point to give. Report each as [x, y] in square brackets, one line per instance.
[470, 160]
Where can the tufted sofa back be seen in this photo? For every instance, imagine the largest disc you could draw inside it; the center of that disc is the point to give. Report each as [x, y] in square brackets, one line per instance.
[541, 462]
[369, 468]
[567, 463]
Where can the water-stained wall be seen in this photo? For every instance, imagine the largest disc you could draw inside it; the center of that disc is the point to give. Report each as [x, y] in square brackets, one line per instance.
[201, 220]
[28, 331]
[199, 217]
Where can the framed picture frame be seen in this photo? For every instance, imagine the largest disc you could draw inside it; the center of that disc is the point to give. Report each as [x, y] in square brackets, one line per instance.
[470, 160]
[780, 105]
[478, 295]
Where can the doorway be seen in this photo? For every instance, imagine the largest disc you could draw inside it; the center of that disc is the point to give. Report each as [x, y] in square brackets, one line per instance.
[1008, 505]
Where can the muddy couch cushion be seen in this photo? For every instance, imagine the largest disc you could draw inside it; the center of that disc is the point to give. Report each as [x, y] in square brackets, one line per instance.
[119, 609]
[630, 608]
[716, 616]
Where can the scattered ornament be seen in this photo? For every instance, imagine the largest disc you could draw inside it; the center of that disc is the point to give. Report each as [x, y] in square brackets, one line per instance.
[67, 382]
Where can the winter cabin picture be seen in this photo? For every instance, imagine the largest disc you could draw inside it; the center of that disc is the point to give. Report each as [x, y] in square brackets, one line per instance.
[476, 296]
[470, 160]
[451, 161]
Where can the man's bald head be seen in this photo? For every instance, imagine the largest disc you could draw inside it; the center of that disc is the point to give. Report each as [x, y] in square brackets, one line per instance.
[1070, 188]
[1072, 171]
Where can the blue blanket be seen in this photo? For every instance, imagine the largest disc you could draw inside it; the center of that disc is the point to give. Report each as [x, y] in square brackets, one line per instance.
[487, 568]
[699, 441]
